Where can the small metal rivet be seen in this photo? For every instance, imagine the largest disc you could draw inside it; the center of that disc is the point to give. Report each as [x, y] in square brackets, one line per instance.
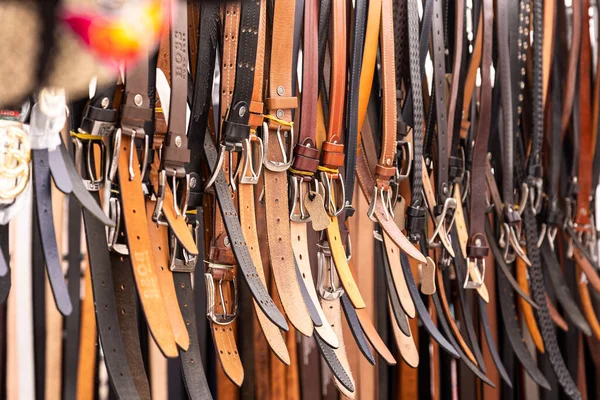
[242, 111]
[280, 113]
[178, 141]
[105, 102]
[226, 241]
[445, 190]
[193, 182]
[389, 162]
[477, 242]
[280, 90]
[138, 100]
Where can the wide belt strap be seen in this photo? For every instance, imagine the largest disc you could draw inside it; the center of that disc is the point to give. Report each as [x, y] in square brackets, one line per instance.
[280, 104]
[574, 52]
[134, 113]
[587, 135]
[246, 204]
[477, 247]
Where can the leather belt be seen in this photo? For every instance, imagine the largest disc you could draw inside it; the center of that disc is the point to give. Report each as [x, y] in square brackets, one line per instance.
[280, 103]
[134, 113]
[246, 186]
[43, 140]
[303, 175]
[101, 114]
[477, 248]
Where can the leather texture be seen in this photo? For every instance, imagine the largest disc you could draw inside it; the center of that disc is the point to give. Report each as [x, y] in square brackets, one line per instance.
[125, 296]
[301, 256]
[159, 237]
[422, 309]
[86, 368]
[106, 316]
[564, 296]
[239, 246]
[43, 200]
[142, 260]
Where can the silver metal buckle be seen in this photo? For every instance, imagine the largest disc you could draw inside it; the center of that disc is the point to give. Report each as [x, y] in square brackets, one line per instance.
[547, 232]
[441, 229]
[113, 231]
[95, 183]
[218, 167]
[157, 214]
[386, 201]
[224, 318]
[328, 281]
[179, 207]
[509, 241]
[185, 264]
[278, 166]
[407, 157]
[536, 195]
[137, 132]
[298, 211]
[335, 193]
[472, 265]
[253, 153]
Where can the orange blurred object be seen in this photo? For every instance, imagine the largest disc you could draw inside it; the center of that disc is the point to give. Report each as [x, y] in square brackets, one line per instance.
[119, 35]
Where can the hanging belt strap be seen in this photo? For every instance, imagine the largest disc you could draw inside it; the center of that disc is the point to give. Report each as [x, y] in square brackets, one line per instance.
[134, 114]
[99, 117]
[247, 181]
[573, 62]
[278, 138]
[48, 117]
[352, 117]
[167, 210]
[303, 180]
[366, 179]
[587, 135]
[477, 248]
[439, 76]
[415, 223]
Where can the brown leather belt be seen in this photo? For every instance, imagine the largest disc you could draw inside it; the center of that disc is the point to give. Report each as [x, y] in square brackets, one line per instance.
[280, 103]
[134, 113]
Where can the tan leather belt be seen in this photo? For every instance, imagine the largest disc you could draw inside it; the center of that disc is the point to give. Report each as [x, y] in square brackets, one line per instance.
[278, 132]
[134, 112]
[220, 273]
[245, 193]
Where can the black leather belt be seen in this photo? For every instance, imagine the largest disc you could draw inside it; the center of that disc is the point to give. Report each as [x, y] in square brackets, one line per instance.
[101, 117]
[125, 296]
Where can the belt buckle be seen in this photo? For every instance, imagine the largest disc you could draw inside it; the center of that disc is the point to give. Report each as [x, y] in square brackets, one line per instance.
[233, 147]
[405, 152]
[185, 263]
[298, 211]
[509, 241]
[136, 132]
[15, 155]
[335, 192]
[385, 196]
[175, 173]
[278, 166]
[479, 272]
[328, 281]
[253, 153]
[226, 276]
[113, 231]
[442, 227]
[92, 131]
